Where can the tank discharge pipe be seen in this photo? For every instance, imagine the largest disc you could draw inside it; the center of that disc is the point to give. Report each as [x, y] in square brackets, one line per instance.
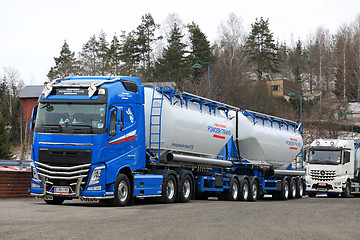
[192, 159]
[288, 172]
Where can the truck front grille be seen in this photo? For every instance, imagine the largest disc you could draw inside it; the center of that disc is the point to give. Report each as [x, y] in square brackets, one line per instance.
[64, 167]
[322, 175]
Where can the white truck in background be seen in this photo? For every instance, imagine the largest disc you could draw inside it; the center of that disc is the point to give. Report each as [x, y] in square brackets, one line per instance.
[333, 167]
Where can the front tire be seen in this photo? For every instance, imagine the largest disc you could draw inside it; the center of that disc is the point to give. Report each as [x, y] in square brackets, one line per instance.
[122, 191]
[346, 191]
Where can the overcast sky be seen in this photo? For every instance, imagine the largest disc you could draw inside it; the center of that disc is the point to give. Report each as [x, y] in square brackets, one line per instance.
[33, 31]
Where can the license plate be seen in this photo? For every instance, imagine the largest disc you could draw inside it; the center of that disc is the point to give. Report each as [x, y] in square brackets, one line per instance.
[322, 184]
[61, 189]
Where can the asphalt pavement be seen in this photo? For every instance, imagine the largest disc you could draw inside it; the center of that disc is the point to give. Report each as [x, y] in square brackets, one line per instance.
[306, 218]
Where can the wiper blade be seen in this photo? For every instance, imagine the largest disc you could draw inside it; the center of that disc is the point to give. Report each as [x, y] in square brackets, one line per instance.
[81, 125]
[51, 125]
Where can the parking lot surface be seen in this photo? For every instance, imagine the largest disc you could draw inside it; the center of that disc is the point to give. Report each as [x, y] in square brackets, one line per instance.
[306, 218]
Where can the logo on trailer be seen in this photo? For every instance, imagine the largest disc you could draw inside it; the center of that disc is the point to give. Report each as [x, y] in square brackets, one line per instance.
[293, 143]
[219, 131]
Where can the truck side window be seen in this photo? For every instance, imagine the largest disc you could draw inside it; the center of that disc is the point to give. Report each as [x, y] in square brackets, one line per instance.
[346, 157]
[113, 121]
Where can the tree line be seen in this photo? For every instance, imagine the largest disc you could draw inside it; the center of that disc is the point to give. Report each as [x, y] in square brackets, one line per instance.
[324, 65]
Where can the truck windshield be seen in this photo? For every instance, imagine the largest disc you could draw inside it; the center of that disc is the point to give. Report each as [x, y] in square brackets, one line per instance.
[324, 157]
[71, 114]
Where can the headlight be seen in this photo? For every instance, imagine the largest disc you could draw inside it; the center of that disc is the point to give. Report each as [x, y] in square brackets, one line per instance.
[34, 173]
[95, 176]
[34, 185]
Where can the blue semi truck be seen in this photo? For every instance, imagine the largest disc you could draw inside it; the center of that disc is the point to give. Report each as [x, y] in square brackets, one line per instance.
[114, 139]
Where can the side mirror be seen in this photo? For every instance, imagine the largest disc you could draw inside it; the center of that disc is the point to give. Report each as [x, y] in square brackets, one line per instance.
[33, 118]
[346, 158]
[305, 156]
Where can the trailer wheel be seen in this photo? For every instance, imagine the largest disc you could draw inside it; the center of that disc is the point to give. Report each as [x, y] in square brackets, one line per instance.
[346, 191]
[254, 193]
[169, 189]
[185, 188]
[283, 194]
[55, 201]
[233, 193]
[292, 188]
[122, 192]
[299, 188]
[244, 190]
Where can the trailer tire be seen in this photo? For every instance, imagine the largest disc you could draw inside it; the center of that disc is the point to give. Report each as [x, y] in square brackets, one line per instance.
[346, 191]
[169, 189]
[55, 201]
[292, 188]
[234, 188]
[283, 194]
[186, 188]
[122, 191]
[254, 190]
[299, 188]
[244, 189]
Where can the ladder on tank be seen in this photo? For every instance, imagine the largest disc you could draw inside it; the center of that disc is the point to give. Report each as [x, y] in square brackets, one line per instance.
[155, 124]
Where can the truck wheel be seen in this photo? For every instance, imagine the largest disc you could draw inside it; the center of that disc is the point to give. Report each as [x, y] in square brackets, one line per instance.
[292, 187]
[122, 191]
[346, 191]
[244, 190]
[233, 193]
[254, 190]
[299, 188]
[169, 189]
[185, 189]
[55, 201]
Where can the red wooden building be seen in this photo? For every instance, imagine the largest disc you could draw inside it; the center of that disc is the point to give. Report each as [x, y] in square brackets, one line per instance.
[29, 98]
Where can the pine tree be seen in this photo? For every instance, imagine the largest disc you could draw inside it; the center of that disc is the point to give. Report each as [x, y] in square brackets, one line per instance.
[172, 65]
[200, 48]
[103, 54]
[129, 53]
[114, 56]
[262, 49]
[65, 64]
[89, 57]
[5, 144]
[145, 38]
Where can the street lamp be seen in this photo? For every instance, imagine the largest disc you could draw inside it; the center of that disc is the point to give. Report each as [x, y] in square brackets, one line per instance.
[292, 94]
[198, 64]
[352, 123]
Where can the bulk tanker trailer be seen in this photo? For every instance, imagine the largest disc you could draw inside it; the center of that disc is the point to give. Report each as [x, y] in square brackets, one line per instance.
[113, 139]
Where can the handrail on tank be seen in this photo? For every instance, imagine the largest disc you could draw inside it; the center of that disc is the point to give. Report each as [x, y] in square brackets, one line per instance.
[186, 97]
[272, 119]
